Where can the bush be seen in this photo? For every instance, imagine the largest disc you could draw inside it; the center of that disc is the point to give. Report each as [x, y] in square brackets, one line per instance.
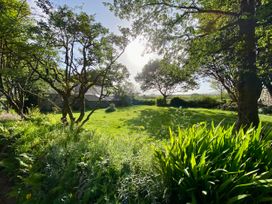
[266, 110]
[111, 108]
[178, 102]
[161, 102]
[147, 102]
[216, 165]
[125, 101]
[229, 107]
[204, 102]
[196, 101]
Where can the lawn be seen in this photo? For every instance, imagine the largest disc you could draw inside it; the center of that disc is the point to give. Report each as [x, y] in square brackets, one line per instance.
[155, 121]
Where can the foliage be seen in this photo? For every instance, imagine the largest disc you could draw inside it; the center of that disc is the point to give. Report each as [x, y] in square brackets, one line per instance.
[51, 163]
[229, 107]
[178, 102]
[76, 54]
[111, 108]
[204, 102]
[220, 36]
[125, 92]
[216, 165]
[17, 81]
[266, 110]
[138, 101]
[125, 101]
[198, 102]
[162, 76]
[110, 161]
[161, 102]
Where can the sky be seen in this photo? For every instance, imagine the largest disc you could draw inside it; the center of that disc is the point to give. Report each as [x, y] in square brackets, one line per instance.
[134, 56]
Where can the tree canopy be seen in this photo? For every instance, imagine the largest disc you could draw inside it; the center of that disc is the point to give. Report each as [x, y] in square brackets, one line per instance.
[214, 28]
[167, 78]
[17, 81]
[77, 53]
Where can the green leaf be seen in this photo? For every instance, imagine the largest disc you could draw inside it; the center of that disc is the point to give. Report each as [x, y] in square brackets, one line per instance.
[238, 198]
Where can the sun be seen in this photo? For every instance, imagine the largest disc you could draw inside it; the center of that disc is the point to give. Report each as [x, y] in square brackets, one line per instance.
[136, 52]
[135, 56]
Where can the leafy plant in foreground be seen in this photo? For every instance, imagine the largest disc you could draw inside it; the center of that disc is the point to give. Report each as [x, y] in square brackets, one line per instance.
[216, 165]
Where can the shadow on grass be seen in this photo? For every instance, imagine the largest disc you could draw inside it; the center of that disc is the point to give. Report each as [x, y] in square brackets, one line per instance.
[157, 122]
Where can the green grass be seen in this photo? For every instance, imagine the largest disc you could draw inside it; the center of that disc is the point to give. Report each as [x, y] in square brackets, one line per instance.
[111, 160]
[155, 121]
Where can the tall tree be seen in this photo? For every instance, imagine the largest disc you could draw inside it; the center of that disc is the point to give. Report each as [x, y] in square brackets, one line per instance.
[164, 77]
[264, 49]
[211, 57]
[170, 23]
[16, 79]
[75, 54]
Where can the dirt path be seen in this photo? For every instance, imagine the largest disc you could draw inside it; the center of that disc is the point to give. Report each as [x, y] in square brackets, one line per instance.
[5, 187]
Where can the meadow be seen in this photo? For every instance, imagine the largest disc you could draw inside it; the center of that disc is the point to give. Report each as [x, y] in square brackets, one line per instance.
[138, 154]
[154, 121]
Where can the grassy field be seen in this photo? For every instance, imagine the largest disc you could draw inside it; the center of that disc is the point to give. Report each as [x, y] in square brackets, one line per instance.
[114, 158]
[155, 121]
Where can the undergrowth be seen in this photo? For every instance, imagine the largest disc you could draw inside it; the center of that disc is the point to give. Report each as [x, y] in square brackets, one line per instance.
[53, 164]
[50, 163]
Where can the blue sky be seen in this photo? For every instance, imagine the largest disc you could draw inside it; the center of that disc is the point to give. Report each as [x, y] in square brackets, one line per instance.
[134, 57]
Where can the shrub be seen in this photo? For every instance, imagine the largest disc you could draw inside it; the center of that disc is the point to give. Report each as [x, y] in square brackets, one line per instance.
[148, 102]
[216, 165]
[160, 102]
[229, 107]
[203, 102]
[178, 102]
[266, 110]
[111, 108]
[125, 101]
[196, 101]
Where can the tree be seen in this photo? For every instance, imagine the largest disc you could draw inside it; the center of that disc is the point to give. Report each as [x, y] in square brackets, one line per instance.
[125, 92]
[75, 54]
[164, 77]
[218, 87]
[264, 49]
[169, 24]
[212, 56]
[16, 79]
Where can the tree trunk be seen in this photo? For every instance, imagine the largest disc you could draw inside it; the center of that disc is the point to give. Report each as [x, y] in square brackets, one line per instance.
[249, 86]
[16, 107]
[82, 108]
[164, 100]
[66, 110]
